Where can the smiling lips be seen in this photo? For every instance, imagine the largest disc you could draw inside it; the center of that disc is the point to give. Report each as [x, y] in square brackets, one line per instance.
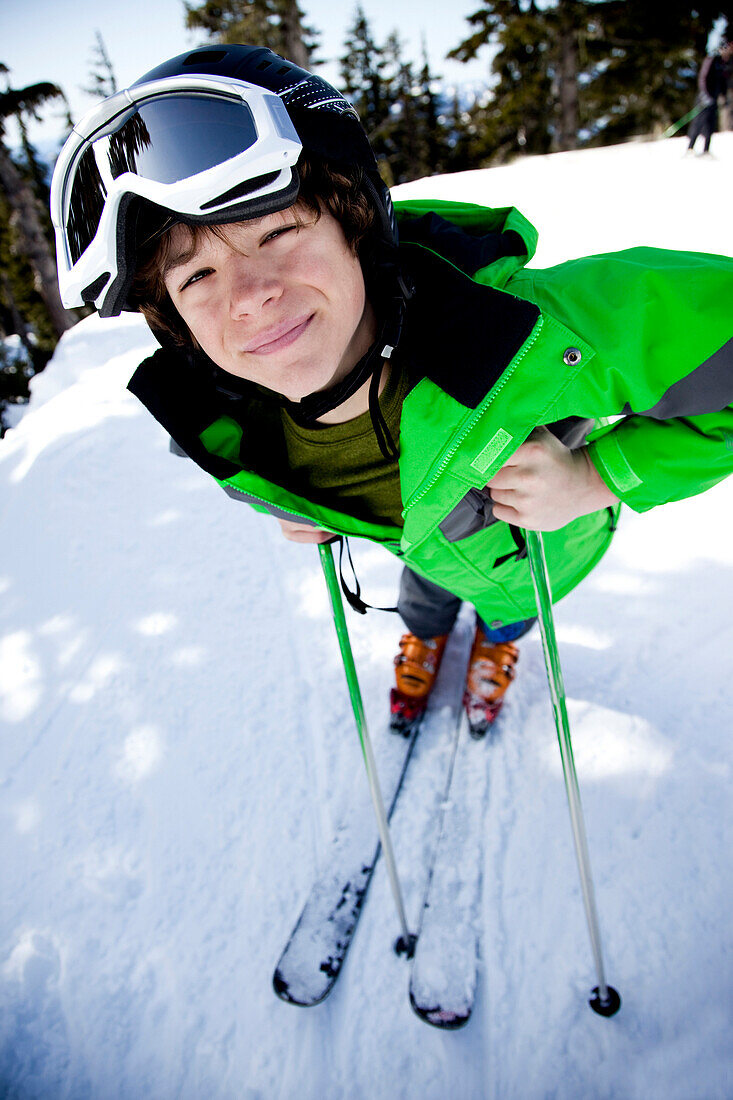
[279, 336]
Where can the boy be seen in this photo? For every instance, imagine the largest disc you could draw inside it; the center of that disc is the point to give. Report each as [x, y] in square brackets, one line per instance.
[434, 396]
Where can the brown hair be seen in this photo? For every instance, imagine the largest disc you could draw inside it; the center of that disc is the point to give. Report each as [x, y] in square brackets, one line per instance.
[340, 192]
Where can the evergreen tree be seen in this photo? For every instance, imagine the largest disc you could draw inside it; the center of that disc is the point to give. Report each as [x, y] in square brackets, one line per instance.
[273, 23]
[518, 117]
[570, 26]
[399, 109]
[403, 142]
[365, 82]
[461, 135]
[37, 173]
[102, 80]
[363, 79]
[416, 134]
[584, 71]
[68, 120]
[22, 311]
[433, 119]
[27, 217]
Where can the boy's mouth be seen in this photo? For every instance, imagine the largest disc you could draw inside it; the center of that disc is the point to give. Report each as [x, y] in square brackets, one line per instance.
[278, 336]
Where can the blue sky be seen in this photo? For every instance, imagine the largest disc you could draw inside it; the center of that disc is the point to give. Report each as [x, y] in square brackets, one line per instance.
[53, 39]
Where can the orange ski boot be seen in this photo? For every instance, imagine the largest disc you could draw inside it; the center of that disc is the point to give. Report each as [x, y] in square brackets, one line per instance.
[416, 666]
[490, 672]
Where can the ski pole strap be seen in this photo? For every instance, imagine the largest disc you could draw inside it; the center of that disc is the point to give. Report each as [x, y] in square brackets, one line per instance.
[354, 598]
[521, 544]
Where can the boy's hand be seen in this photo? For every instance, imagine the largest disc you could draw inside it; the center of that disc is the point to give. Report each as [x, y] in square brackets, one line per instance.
[300, 532]
[545, 485]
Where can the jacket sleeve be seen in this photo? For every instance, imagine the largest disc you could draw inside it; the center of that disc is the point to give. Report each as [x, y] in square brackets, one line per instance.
[661, 326]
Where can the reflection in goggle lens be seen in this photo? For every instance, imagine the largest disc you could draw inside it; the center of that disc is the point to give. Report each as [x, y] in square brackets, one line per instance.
[167, 139]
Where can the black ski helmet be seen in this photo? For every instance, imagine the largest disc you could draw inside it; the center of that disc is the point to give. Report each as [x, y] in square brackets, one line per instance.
[327, 124]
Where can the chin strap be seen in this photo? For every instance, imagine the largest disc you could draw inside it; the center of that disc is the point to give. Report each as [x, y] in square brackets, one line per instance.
[313, 405]
[387, 445]
[310, 408]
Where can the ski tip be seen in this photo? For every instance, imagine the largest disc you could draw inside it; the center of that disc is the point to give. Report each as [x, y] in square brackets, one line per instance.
[281, 987]
[285, 993]
[305, 996]
[446, 1019]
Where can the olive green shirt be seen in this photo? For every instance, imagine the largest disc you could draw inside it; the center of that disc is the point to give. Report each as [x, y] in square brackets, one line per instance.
[341, 465]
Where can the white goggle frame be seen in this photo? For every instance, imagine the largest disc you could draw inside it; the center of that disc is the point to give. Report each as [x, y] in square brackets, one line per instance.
[276, 149]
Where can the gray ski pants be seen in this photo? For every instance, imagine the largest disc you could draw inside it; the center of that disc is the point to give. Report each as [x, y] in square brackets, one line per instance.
[428, 610]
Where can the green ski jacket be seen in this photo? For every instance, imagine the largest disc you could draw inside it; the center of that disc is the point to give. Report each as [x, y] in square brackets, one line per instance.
[629, 353]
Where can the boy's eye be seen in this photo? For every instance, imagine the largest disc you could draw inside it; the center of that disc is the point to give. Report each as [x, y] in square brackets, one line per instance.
[196, 277]
[279, 232]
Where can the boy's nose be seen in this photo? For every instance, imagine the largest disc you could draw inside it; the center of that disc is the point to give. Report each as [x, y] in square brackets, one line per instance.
[251, 289]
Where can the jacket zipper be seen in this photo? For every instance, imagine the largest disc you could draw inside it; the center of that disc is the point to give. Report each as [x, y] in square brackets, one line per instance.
[467, 428]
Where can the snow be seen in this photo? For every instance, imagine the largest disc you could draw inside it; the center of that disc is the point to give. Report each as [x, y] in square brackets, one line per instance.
[177, 749]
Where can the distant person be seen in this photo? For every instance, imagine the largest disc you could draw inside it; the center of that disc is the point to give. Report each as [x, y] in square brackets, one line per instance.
[712, 84]
[727, 122]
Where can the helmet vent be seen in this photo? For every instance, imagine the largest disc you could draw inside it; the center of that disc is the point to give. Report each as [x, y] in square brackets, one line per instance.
[207, 56]
[238, 192]
[264, 65]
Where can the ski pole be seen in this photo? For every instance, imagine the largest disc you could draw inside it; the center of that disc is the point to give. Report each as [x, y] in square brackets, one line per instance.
[671, 130]
[406, 942]
[605, 1000]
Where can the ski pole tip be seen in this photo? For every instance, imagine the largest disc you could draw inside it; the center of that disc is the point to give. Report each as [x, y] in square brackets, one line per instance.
[406, 945]
[609, 1006]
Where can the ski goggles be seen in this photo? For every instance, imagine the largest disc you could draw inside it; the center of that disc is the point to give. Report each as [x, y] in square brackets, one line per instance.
[210, 149]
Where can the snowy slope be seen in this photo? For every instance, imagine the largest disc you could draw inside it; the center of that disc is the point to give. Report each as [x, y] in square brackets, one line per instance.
[177, 747]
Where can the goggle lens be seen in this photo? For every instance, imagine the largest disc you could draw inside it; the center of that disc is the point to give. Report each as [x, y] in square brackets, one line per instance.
[166, 139]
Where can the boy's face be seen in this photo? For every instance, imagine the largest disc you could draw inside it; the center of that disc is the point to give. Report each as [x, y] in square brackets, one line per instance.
[276, 302]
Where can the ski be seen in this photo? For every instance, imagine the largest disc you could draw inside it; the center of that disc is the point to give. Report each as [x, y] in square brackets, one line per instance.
[313, 956]
[445, 964]
[315, 952]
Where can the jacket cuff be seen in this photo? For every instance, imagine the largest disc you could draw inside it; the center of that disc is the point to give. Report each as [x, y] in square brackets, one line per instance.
[613, 467]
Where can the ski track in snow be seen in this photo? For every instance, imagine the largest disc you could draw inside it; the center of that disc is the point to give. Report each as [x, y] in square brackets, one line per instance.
[177, 748]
